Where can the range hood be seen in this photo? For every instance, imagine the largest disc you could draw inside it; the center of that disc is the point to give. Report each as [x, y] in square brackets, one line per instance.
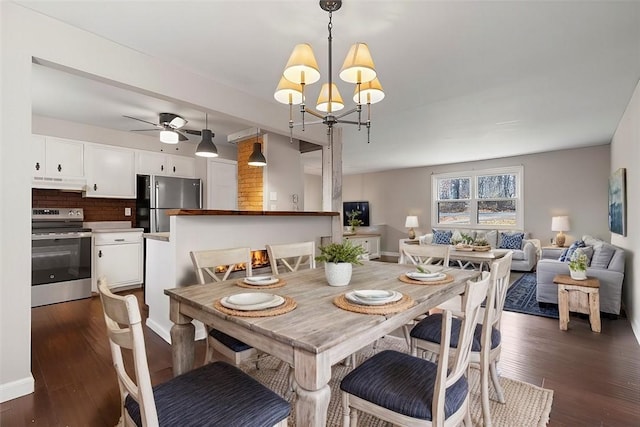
[51, 183]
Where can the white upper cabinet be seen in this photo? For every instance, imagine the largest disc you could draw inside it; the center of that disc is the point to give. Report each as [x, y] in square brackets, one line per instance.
[110, 171]
[57, 163]
[150, 163]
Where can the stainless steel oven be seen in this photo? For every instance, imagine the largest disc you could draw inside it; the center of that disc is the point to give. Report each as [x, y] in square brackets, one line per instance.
[60, 256]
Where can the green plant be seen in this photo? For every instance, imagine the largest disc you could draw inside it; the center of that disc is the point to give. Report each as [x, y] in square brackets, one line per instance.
[578, 261]
[340, 252]
[464, 239]
[481, 242]
[353, 221]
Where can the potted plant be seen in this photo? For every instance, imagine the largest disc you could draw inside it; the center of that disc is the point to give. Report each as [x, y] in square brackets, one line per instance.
[578, 265]
[338, 261]
[353, 220]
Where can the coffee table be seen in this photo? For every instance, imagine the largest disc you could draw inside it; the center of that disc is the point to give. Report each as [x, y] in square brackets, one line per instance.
[581, 296]
[469, 259]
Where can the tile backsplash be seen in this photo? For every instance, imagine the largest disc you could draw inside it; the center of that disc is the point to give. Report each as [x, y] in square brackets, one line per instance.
[95, 209]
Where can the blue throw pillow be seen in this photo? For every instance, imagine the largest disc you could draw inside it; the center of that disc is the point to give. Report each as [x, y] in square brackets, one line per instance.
[511, 241]
[566, 254]
[442, 237]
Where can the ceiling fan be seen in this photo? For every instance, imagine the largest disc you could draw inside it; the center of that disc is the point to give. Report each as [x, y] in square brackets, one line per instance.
[170, 127]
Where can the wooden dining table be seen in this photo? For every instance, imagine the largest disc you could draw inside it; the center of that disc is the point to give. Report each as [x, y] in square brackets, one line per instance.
[314, 336]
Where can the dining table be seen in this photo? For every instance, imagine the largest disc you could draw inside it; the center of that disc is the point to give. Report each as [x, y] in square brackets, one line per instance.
[319, 332]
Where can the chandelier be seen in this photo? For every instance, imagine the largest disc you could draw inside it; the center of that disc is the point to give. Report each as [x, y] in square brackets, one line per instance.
[302, 69]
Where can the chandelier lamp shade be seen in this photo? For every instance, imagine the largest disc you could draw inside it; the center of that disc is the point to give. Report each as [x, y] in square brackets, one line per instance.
[206, 147]
[302, 70]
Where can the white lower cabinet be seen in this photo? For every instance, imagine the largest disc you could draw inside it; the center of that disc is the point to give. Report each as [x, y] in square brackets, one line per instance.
[117, 256]
[370, 243]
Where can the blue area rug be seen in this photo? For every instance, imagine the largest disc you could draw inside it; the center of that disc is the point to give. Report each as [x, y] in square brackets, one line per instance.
[521, 298]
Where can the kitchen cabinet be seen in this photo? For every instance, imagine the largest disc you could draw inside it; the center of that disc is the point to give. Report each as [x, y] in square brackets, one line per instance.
[370, 243]
[110, 172]
[57, 163]
[117, 256]
[150, 163]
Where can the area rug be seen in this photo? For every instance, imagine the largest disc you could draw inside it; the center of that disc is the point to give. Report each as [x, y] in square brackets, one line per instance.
[527, 405]
[521, 298]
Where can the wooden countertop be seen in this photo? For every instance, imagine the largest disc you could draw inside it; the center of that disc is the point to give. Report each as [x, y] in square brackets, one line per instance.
[163, 237]
[205, 212]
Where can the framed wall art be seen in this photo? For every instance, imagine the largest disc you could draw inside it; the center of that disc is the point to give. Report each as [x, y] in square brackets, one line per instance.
[618, 202]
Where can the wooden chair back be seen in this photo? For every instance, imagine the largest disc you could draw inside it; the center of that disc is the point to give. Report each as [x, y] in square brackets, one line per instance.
[124, 328]
[207, 262]
[426, 254]
[292, 255]
[500, 273]
[475, 292]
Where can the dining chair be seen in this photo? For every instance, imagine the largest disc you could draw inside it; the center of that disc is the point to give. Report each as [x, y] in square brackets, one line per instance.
[220, 345]
[407, 390]
[487, 343]
[426, 254]
[292, 255]
[213, 395]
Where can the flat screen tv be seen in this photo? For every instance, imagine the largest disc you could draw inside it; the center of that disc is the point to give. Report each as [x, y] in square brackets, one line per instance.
[363, 207]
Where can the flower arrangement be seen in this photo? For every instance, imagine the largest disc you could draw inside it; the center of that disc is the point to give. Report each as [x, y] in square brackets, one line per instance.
[340, 252]
[578, 261]
[464, 240]
[353, 220]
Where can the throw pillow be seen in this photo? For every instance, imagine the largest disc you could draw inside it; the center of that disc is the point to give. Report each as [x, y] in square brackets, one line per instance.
[602, 254]
[566, 254]
[442, 237]
[588, 251]
[511, 241]
[490, 236]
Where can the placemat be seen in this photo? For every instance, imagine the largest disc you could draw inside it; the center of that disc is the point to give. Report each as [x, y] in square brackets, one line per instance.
[342, 302]
[280, 283]
[288, 305]
[404, 278]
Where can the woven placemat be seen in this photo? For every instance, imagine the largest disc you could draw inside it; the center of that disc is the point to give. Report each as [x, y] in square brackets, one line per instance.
[280, 283]
[404, 278]
[342, 302]
[288, 305]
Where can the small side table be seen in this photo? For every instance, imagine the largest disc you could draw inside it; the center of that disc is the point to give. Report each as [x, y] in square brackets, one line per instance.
[581, 296]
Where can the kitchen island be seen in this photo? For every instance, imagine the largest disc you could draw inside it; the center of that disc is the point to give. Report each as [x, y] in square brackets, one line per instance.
[168, 264]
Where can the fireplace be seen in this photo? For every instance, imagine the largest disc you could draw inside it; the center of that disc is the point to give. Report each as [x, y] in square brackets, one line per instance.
[259, 261]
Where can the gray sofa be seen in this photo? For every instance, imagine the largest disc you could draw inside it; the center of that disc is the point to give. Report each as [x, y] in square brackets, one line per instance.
[524, 258]
[606, 265]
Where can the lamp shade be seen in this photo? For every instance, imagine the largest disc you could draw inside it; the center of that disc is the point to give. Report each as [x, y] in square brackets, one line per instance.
[370, 92]
[358, 65]
[288, 92]
[302, 66]
[169, 137]
[337, 103]
[411, 222]
[257, 158]
[207, 148]
[560, 223]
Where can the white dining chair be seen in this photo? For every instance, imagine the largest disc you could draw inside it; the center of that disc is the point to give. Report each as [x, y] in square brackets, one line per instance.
[292, 256]
[487, 342]
[220, 345]
[425, 254]
[406, 390]
[215, 394]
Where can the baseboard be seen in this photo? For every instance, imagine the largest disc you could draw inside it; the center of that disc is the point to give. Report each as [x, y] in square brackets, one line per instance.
[16, 389]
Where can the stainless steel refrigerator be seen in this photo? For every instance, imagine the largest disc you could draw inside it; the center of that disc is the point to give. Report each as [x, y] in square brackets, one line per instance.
[156, 194]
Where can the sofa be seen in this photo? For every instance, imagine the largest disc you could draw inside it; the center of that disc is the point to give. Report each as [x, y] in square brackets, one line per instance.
[605, 263]
[525, 255]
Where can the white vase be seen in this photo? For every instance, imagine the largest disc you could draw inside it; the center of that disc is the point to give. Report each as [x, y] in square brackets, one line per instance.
[338, 274]
[578, 274]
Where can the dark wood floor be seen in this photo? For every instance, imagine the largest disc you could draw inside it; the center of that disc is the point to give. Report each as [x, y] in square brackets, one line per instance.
[595, 377]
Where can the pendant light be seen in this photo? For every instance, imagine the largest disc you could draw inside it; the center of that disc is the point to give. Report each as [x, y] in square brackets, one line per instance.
[257, 158]
[206, 147]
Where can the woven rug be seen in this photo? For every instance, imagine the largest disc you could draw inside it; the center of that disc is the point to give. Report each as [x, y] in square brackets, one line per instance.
[521, 298]
[527, 405]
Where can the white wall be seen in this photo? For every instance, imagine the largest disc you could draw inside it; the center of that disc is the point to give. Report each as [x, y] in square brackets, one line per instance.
[26, 34]
[625, 153]
[284, 174]
[312, 192]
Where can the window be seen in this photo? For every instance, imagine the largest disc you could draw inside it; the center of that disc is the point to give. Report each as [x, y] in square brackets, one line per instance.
[489, 198]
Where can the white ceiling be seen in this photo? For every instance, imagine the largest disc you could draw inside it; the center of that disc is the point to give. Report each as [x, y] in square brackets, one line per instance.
[463, 80]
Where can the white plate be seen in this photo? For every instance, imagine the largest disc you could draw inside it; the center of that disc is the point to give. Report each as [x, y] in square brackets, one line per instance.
[374, 294]
[422, 278]
[395, 296]
[431, 273]
[260, 280]
[252, 301]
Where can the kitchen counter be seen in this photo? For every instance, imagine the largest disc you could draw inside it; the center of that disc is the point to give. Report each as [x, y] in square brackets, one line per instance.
[163, 237]
[115, 230]
[109, 226]
[178, 212]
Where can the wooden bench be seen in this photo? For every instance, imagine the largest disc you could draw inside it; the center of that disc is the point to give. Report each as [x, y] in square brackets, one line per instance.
[581, 296]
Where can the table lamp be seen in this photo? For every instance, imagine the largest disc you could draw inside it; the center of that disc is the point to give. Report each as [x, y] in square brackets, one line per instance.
[560, 224]
[410, 223]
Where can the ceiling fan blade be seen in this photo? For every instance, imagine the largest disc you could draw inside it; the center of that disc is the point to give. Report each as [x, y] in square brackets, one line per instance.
[140, 120]
[144, 130]
[191, 131]
[181, 136]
